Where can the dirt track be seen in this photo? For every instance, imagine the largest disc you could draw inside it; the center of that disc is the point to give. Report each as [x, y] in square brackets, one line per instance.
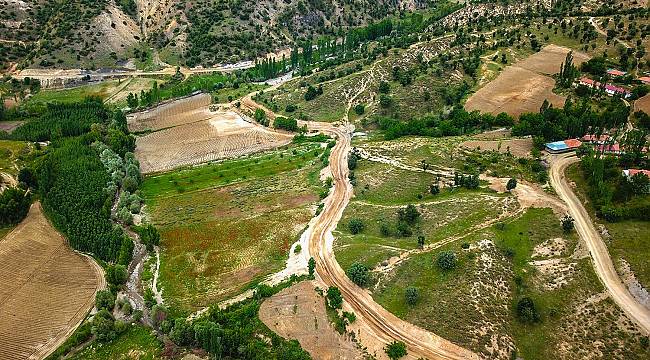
[379, 325]
[600, 256]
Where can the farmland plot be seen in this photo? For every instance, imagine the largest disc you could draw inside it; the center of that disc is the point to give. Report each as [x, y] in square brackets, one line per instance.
[523, 87]
[224, 136]
[179, 112]
[47, 289]
[225, 226]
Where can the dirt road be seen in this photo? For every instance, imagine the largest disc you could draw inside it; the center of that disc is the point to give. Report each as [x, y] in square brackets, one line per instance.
[383, 326]
[600, 256]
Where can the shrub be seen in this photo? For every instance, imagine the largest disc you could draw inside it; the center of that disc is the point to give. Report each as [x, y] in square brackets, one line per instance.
[526, 310]
[356, 225]
[512, 183]
[412, 295]
[395, 350]
[359, 109]
[104, 300]
[359, 274]
[334, 298]
[447, 260]
[409, 214]
[567, 223]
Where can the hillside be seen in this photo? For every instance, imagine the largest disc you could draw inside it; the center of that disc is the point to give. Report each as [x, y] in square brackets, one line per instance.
[150, 33]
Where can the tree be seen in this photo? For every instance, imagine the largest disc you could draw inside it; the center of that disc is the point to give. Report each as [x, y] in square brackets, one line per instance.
[421, 241]
[446, 260]
[412, 295]
[512, 183]
[311, 265]
[434, 189]
[356, 225]
[568, 71]
[352, 161]
[359, 274]
[311, 93]
[384, 87]
[526, 310]
[103, 326]
[409, 214]
[567, 223]
[396, 350]
[116, 274]
[132, 100]
[334, 298]
[104, 300]
[385, 101]
[359, 109]
[260, 117]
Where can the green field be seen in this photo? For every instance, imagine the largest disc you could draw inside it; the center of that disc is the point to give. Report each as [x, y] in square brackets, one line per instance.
[138, 342]
[76, 94]
[225, 226]
[12, 154]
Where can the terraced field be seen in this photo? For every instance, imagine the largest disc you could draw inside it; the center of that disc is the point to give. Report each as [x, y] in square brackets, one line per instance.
[186, 133]
[47, 289]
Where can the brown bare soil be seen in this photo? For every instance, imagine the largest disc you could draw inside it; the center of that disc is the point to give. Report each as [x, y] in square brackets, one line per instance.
[298, 312]
[47, 288]
[643, 104]
[179, 112]
[225, 135]
[515, 91]
[548, 60]
[517, 147]
[524, 86]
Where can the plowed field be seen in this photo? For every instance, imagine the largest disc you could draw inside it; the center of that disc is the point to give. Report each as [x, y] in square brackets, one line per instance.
[47, 289]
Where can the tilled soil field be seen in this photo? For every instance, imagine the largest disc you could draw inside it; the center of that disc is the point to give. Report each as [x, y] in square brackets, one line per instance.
[179, 112]
[47, 289]
[523, 87]
[226, 135]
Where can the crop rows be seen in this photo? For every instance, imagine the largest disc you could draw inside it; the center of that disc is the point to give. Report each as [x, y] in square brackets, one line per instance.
[47, 288]
[175, 113]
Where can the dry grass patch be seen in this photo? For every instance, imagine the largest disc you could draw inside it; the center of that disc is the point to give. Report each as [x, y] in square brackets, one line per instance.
[516, 147]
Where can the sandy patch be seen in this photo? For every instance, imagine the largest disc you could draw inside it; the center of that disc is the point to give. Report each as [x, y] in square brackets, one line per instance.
[298, 312]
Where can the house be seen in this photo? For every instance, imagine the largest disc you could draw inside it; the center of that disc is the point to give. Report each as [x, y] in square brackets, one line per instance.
[645, 80]
[593, 139]
[558, 147]
[611, 149]
[612, 90]
[616, 73]
[589, 83]
[631, 172]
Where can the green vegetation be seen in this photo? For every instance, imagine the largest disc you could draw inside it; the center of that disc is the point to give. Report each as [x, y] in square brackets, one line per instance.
[396, 350]
[137, 339]
[212, 245]
[14, 205]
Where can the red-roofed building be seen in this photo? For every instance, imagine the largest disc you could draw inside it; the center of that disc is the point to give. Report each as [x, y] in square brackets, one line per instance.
[645, 80]
[573, 143]
[616, 73]
[588, 82]
[613, 149]
[632, 172]
[591, 138]
[617, 90]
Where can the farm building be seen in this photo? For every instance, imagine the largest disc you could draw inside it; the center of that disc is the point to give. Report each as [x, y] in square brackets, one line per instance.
[558, 147]
[593, 139]
[616, 73]
[610, 89]
[611, 149]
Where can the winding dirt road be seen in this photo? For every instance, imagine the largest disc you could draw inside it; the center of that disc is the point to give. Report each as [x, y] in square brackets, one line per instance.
[384, 326]
[600, 256]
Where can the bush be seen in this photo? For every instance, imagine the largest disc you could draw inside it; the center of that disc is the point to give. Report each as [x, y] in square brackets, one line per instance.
[104, 300]
[359, 274]
[412, 295]
[103, 326]
[116, 274]
[356, 226]
[395, 350]
[288, 124]
[334, 298]
[526, 310]
[447, 260]
[409, 214]
[359, 109]
[512, 183]
[567, 223]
